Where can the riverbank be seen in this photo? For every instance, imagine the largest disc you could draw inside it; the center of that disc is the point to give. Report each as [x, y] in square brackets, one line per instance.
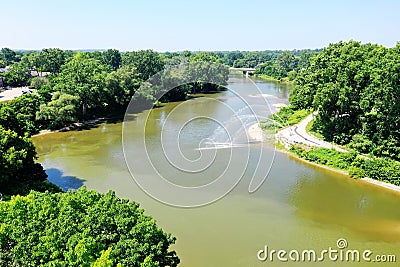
[298, 136]
[272, 79]
[255, 133]
[283, 150]
[381, 184]
[74, 126]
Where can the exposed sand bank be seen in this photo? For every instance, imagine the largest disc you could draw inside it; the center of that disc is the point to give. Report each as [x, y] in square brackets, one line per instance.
[279, 105]
[255, 133]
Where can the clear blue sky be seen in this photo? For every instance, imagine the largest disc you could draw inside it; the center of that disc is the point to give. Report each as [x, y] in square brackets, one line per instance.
[196, 25]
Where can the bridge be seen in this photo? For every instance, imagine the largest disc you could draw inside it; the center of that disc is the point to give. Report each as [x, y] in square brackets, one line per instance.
[245, 71]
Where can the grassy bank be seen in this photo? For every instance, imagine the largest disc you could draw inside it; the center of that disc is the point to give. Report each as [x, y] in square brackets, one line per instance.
[272, 79]
[380, 169]
[355, 165]
[286, 116]
[325, 156]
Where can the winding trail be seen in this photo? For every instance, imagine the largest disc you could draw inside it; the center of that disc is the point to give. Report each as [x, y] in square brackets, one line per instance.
[297, 134]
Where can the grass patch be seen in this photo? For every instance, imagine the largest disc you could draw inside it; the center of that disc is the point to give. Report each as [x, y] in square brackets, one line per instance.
[279, 145]
[297, 116]
[286, 116]
[310, 130]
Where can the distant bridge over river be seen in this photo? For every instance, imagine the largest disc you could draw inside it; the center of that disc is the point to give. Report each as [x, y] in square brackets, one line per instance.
[245, 71]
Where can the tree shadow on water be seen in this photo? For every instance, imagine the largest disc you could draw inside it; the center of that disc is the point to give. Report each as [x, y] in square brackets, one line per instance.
[66, 183]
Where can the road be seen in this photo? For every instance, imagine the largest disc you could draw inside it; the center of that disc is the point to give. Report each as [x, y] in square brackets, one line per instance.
[8, 95]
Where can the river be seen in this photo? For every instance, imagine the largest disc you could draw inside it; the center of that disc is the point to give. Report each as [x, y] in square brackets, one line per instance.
[298, 206]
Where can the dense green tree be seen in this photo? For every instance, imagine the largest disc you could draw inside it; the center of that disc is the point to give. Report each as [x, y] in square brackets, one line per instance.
[285, 64]
[230, 57]
[251, 59]
[19, 171]
[121, 85]
[61, 110]
[53, 59]
[82, 228]
[83, 77]
[148, 92]
[112, 58]
[27, 106]
[205, 57]
[174, 78]
[34, 61]
[186, 54]
[176, 82]
[287, 61]
[304, 59]
[97, 55]
[38, 82]
[206, 76]
[17, 75]
[146, 62]
[14, 121]
[176, 59]
[8, 55]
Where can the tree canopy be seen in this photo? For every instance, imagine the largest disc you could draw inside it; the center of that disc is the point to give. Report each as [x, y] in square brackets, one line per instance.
[112, 58]
[82, 228]
[85, 78]
[19, 171]
[9, 56]
[17, 75]
[146, 62]
[60, 111]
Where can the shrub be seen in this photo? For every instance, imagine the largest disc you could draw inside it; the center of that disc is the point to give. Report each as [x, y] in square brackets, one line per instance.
[361, 143]
[326, 156]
